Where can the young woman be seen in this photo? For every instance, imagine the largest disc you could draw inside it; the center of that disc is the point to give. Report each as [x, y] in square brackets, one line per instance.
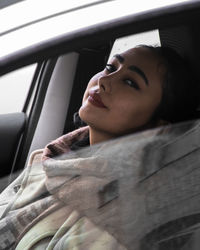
[142, 88]
[71, 203]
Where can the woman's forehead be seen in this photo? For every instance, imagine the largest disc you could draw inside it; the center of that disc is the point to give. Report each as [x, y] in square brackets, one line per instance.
[138, 52]
[141, 57]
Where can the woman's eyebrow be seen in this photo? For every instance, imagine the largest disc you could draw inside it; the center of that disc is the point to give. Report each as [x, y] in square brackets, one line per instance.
[140, 72]
[119, 57]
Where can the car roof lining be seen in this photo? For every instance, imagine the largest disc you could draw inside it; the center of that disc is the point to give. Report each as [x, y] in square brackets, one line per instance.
[99, 33]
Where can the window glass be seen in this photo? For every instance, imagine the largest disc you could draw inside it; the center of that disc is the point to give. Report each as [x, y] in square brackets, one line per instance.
[14, 88]
[124, 43]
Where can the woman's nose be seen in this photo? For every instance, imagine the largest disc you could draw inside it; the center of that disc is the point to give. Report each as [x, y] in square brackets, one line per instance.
[104, 83]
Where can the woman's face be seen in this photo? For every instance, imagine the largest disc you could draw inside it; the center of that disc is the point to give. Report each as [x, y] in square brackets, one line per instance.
[122, 98]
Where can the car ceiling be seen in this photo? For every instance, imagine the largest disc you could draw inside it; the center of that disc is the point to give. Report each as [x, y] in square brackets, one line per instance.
[6, 3]
[96, 31]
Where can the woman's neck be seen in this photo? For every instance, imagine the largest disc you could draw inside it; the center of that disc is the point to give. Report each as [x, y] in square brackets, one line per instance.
[97, 136]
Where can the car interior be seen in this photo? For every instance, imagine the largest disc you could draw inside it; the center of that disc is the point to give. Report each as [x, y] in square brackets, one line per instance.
[52, 82]
[61, 77]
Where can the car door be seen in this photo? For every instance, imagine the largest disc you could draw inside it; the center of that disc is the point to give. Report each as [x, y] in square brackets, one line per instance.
[19, 108]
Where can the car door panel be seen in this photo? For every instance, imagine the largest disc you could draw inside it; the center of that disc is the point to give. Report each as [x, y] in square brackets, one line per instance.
[11, 129]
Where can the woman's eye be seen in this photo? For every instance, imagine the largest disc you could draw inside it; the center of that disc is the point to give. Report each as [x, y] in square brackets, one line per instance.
[132, 84]
[110, 68]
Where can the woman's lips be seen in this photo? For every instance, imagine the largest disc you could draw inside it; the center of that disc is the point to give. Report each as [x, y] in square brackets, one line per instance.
[95, 99]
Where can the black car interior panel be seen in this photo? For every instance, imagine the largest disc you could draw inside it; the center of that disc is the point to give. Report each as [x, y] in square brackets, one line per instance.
[11, 130]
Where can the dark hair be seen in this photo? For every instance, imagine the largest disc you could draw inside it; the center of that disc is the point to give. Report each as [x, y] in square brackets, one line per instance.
[180, 95]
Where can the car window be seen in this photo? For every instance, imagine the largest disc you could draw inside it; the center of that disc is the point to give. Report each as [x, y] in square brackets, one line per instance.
[149, 38]
[14, 88]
